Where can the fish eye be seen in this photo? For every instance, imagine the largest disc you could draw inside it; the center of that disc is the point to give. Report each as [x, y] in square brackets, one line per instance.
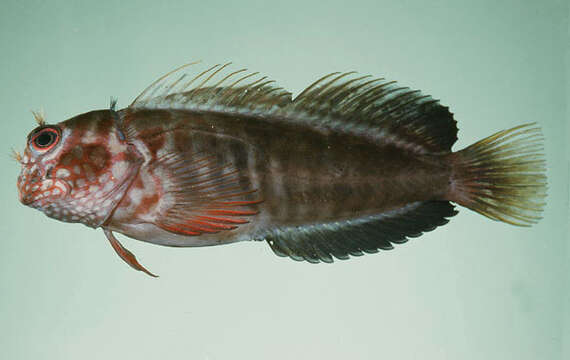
[44, 139]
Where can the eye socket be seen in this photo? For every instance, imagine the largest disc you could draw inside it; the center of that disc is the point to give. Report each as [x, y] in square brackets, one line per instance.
[45, 139]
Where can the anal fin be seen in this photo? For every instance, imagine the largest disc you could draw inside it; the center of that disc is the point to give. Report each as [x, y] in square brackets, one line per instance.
[323, 242]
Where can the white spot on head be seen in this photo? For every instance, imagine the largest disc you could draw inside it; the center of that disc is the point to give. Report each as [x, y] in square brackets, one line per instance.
[47, 184]
[56, 191]
[90, 135]
[62, 173]
[119, 169]
[80, 182]
[136, 196]
[114, 146]
[108, 186]
[77, 169]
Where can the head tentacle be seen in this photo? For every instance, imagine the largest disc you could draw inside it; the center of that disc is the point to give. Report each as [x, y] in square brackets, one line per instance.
[16, 156]
[39, 116]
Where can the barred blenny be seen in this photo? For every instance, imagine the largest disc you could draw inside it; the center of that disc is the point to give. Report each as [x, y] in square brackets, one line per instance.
[351, 165]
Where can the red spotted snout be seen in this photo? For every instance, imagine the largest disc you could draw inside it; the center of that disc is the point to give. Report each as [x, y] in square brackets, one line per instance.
[37, 185]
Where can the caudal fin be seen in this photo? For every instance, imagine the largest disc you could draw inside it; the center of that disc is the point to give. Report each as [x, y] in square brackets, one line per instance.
[502, 176]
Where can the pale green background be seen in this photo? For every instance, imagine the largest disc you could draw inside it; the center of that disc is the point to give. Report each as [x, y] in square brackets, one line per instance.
[474, 289]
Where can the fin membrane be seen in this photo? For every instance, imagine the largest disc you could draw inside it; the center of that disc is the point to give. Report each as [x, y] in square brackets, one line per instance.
[502, 176]
[216, 89]
[125, 254]
[375, 108]
[204, 196]
[355, 237]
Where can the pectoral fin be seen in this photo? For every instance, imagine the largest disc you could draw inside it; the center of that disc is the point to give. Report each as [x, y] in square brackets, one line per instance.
[207, 196]
[125, 254]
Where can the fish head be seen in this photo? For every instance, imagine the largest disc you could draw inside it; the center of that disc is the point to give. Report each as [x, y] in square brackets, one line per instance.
[72, 170]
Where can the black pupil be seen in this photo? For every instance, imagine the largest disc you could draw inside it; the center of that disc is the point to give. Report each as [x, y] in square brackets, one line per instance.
[45, 139]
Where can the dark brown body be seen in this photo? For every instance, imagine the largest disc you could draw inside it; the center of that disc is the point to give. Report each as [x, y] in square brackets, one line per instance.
[303, 175]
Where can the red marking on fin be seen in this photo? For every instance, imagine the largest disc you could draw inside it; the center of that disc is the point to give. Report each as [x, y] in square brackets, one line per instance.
[207, 196]
[232, 212]
[178, 230]
[219, 226]
[225, 220]
[125, 254]
[195, 227]
[201, 229]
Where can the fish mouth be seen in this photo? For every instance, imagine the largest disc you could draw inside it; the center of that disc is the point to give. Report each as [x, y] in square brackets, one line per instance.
[36, 193]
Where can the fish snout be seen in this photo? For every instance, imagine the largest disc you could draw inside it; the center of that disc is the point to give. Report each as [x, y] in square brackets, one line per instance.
[33, 186]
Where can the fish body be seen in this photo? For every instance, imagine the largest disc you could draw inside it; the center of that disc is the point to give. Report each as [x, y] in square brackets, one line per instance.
[350, 166]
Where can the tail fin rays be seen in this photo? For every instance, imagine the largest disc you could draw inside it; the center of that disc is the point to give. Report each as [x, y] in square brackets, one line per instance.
[502, 176]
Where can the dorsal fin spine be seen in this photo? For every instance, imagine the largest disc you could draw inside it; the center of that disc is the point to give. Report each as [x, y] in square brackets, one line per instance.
[142, 94]
[250, 88]
[229, 88]
[370, 92]
[219, 83]
[349, 103]
[267, 90]
[173, 85]
[319, 94]
[398, 97]
[346, 90]
[300, 98]
[377, 97]
[324, 92]
[205, 80]
[198, 76]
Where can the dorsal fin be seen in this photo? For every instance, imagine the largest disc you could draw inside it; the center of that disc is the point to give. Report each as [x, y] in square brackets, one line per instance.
[322, 242]
[216, 89]
[376, 107]
[346, 102]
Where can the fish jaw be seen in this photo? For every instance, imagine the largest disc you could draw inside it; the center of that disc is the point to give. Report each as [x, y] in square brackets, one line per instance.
[75, 199]
[36, 185]
[40, 194]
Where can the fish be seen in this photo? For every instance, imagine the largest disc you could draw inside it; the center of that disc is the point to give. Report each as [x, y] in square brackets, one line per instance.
[351, 165]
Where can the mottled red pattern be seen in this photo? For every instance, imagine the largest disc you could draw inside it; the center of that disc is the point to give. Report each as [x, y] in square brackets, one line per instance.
[350, 166]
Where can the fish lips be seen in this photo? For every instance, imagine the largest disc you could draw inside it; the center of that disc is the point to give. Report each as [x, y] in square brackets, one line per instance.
[39, 193]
